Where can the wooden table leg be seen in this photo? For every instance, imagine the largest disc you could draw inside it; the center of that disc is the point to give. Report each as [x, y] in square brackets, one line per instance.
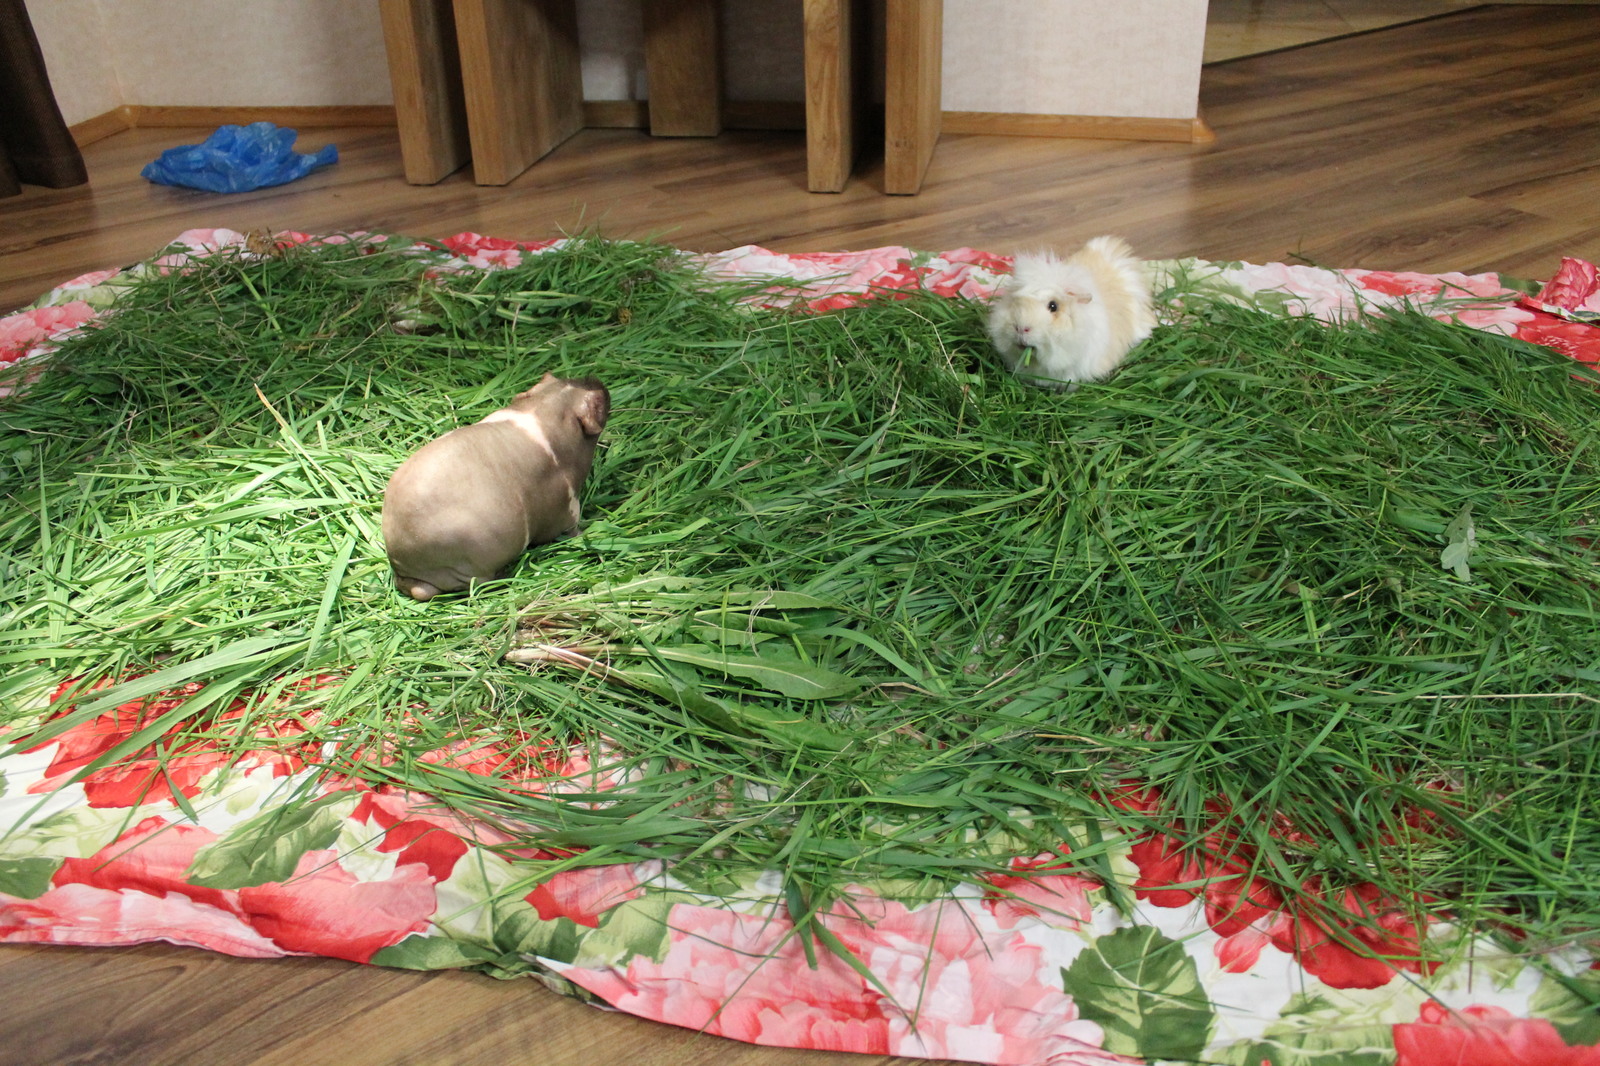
[913, 76]
[524, 90]
[425, 71]
[684, 65]
[834, 37]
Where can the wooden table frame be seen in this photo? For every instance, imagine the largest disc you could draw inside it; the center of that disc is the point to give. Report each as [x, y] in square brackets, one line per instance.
[913, 105]
[498, 82]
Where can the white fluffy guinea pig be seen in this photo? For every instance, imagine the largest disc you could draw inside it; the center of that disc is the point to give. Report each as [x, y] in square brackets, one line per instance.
[1058, 321]
[465, 505]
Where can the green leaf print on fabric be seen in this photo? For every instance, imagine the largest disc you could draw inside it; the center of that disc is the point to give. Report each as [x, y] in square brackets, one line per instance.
[420, 952]
[521, 932]
[71, 833]
[1570, 1005]
[1142, 988]
[268, 847]
[637, 927]
[27, 878]
[1315, 1031]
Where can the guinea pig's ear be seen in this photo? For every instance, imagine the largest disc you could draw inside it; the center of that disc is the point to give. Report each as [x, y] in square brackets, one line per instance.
[1082, 297]
[593, 410]
[547, 377]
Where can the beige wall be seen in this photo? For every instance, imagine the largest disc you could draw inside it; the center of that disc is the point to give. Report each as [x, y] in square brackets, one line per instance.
[267, 52]
[83, 70]
[1130, 58]
[103, 53]
[1077, 57]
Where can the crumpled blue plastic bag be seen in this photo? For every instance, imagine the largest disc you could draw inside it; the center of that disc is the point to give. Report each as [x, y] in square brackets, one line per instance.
[237, 159]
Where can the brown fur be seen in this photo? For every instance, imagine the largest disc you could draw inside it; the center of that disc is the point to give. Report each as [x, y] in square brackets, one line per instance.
[464, 506]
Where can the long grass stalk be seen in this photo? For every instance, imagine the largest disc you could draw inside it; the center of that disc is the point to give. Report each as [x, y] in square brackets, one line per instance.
[849, 602]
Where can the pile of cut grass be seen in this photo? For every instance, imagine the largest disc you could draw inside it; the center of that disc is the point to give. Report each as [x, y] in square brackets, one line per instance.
[850, 603]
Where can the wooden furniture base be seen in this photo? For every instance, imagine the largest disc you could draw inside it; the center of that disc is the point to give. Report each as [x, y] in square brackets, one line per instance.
[837, 34]
[499, 81]
[683, 65]
[425, 74]
[524, 89]
[913, 76]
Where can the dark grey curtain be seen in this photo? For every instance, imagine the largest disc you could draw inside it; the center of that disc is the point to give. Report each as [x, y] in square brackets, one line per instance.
[36, 148]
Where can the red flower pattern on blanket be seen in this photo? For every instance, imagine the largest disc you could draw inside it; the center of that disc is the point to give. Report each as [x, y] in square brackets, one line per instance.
[199, 243]
[1494, 310]
[139, 888]
[1035, 891]
[746, 977]
[175, 760]
[1484, 1036]
[1578, 340]
[324, 909]
[152, 857]
[25, 332]
[82, 914]
[1574, 287]
[957, 992]
[1410, 283]
[583, 895]
[418, 829]
[953, 992]
[830, 281]
[417, 832]
[491, 253]
[133, 890]
[1357, 937]
[540, 765]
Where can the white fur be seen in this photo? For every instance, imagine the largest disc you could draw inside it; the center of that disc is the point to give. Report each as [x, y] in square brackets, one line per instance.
[1102, 309]
[533, 429]
[528, 423]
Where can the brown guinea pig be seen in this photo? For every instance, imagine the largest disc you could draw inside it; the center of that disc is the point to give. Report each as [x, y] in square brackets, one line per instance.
[465, 505]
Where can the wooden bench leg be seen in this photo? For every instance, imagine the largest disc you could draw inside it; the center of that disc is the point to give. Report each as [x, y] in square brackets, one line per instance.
[524, 90]
[425, 72]
[683, 61]
[913, 76]
[834, 37]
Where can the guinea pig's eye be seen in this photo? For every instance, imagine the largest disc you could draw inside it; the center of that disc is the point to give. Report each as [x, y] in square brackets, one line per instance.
[1054, 307]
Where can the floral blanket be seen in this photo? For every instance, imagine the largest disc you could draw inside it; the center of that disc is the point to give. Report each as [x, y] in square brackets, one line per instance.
[273, 855]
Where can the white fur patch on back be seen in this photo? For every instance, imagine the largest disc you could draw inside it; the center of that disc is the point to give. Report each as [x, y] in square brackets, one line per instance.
[530, 426]
[533, 429]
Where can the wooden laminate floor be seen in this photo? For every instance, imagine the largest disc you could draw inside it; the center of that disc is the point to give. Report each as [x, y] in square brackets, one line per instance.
[1470, 142]
[1250, 27]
